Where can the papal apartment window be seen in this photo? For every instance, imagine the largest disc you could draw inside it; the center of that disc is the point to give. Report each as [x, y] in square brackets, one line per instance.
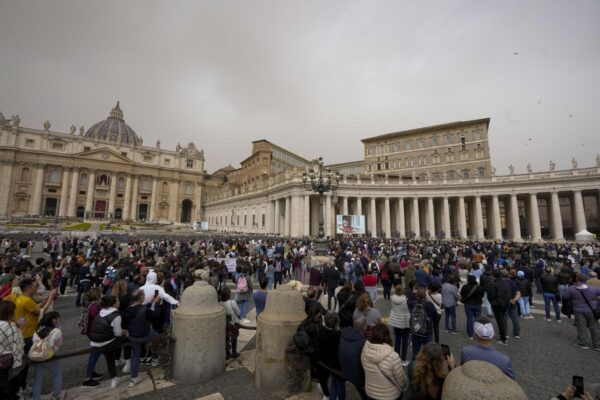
[407, 146]
[434, 141]
[466, 174]
[478, 135]
[57, 146]
[481, 172]
[378, 166]
[369, 151]
[463, 141]
[448, 139]
[420, 143]
[387, 165]
[189, 163]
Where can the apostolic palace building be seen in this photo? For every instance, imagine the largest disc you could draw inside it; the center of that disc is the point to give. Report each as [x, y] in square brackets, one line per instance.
[436, 181]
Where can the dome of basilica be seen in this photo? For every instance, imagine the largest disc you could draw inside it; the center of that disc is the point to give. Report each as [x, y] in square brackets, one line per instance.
[114, 129]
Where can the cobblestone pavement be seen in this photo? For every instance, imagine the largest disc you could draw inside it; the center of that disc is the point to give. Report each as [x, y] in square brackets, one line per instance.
[545, 358]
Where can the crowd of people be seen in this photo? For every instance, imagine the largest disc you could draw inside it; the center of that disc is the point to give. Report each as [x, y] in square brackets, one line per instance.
[127, 291]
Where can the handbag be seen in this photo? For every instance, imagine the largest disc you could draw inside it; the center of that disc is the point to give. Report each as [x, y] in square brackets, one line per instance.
[596, 312]
[6, 361]
[41, 350]
[463, 299]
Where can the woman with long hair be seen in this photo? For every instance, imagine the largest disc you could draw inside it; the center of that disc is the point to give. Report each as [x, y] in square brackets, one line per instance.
[384, 376]
[49, 330]
[364, 308]
[428, 372]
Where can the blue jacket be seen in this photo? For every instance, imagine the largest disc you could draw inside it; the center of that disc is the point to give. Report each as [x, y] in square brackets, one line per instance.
[352, 342]
[488, 354]
[421, 277]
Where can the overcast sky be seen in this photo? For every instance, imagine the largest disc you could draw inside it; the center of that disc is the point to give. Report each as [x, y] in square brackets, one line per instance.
[313, 77]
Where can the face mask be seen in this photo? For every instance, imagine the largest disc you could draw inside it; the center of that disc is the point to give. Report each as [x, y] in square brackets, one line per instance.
[58, 325]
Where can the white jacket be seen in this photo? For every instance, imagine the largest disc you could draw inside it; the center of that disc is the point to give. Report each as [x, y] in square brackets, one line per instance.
[150, 287]
[399, 315]
[384, 376]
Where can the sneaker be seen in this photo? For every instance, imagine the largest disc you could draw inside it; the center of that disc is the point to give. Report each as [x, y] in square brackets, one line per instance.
[319, 388]
[127, 367]
[119, 362]
[61, 396]
[245, 321]
[530, 316]
[133, 382]
[504, 342]
[96, 376]
[405, 363]
[455, 332]
[581, 346]
[597, 348]
[470, 337]
[90, 383]
[559, 321]
[517, 337]
[154, 362]
[446, 331]
[114, 382]
[548, 319]
[146, 361]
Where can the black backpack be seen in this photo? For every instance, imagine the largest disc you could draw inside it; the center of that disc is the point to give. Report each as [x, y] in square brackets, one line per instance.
[303, 342]
[419, 322]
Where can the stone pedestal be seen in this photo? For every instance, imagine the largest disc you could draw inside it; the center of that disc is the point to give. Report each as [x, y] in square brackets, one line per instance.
[477, 380]
[276, 327]
[199, 331]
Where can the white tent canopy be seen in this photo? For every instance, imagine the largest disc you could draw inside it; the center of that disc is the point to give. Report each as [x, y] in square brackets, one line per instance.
[585, 236]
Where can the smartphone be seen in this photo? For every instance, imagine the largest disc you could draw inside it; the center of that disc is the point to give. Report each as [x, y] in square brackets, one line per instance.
[578, 383]
[156, 293]
[446, 350]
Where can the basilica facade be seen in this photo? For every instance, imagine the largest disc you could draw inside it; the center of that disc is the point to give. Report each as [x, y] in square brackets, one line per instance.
[102, 172]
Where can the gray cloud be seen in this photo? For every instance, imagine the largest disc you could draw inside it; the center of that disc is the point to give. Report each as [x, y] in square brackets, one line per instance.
[314, 77]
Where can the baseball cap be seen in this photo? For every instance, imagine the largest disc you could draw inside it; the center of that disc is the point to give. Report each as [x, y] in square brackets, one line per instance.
[520, 274]
[484, 331]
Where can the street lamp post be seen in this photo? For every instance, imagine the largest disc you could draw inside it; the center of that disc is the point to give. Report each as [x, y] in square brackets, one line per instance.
[321, 182]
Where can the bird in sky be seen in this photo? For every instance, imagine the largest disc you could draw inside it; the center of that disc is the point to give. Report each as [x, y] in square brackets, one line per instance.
[571, 115]
[516, 54]
[539, 102]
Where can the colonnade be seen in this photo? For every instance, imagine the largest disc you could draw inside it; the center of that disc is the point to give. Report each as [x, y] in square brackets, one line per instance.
[511, 215]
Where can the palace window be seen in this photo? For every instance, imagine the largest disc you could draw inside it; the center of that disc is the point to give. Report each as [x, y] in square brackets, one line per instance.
[189, 164]
[478, 135]
[145, 185]
[86, 148]
[396, 147]
[481, 172]
[465, 174]
[57, 146]
[25, 174]
[422, 161]
[29, 142]
[407, 146]
[448, 138]
[103, 180]
[263, 220]
[147, 158]
[54, 176]
[121, 183]
[451, 175]
[450, 157]
[369, 151]
[420, 143]
[124, 154]
[167, 162]
[187, 189]
[434, 140]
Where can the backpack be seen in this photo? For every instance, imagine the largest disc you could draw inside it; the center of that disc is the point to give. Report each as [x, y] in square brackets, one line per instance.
[385, 276]
[84, 320]
[359, 270]
[419, 322]
[303, 343]
[242, 284]
[41, 350]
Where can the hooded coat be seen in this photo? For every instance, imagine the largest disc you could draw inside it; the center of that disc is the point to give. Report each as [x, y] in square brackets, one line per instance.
[384, 376]
[150, 287]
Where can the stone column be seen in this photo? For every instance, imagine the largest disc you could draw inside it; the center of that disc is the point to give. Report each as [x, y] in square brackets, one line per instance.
[154, 200]
[288, 215]
[400, 222]
[6, 184]
[36, 200]
[134, 198]
[373, 217]
[578, 212]
[295, 216]
[416, 223]
[89, 200]
[275, 329]
[197, 201]
[306, 215]
[478, 219]
[536, 229]
[112, 196]
[345, 205]
[64, 193]
[496, 221]
[515, 225]
[127, 198]
[72, 211]
[199, 331]
[270, 216]
[430, 217]
[387, 218]
[276, 220]
[556, 218]
[173, 203]
[359, 206]
[446, 218]
[327, 215]
[462, 218]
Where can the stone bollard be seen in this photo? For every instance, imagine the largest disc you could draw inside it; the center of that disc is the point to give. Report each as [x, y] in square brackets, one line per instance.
[199, 331]
[275, 329]
[475, 380]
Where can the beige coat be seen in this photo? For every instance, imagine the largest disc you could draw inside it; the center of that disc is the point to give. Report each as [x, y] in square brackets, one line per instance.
[384, 376]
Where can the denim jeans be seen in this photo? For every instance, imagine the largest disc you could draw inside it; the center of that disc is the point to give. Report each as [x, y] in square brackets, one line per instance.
[38, 378]
[111, 352]
[513, 313]
[337, 388]
[472, 311]
[551, 298]
[331, 295]
[243, 308]
[401, 341]
[136, 349]
[450, 318]
[387, 289]
[524, 305]
[418, 342]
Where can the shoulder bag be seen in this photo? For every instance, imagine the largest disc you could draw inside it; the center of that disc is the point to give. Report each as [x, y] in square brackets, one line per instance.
[596, 312]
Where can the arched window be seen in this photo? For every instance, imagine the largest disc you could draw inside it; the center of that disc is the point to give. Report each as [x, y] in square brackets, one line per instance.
[187, 189]
[25, 174]
[102, 180]
[83, 179]
[121, 183]
[165, 187]
[54, 176]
